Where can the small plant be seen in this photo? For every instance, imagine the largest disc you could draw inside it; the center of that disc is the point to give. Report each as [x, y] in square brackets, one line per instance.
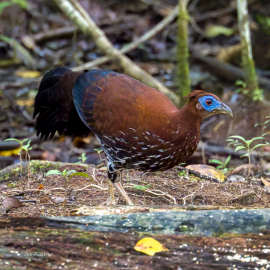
[257, 94]
[222, 166]
[22, 3]
[127, 176]
[264, 126]
[143, 188]
[67, 174]
[82, 158]
[26, 147]
[99, 151]
[245, 144]
[182, 173]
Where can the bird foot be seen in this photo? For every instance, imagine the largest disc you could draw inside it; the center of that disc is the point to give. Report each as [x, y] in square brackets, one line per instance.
[109, 201]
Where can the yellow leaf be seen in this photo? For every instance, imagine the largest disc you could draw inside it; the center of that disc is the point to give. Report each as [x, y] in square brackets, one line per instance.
[149, 246]
[215, 30]
[9, 153]
[208, 171]
[27, 102]
[27, 74]
[265, 182]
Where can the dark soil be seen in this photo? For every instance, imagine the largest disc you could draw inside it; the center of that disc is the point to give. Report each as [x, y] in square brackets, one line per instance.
[46, 194]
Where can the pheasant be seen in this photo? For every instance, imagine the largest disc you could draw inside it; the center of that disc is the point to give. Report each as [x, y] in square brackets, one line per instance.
[137, 126]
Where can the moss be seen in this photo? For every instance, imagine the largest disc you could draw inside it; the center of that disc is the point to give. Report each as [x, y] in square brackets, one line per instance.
[247, 59]
[182, 53]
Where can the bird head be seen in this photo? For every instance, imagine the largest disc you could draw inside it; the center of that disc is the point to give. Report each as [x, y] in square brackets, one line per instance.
[207, 104]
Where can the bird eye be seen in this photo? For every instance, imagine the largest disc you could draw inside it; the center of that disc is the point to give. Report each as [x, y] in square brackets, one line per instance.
[209, 102]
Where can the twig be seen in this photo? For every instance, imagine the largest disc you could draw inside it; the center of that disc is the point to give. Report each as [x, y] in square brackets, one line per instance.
[152, 32]
[55, 33]
[156, 193]
[22, 83]
[242, 196]
[214, 14]
[80, 18]
[184, 199]
[92, 185]
[226, 70]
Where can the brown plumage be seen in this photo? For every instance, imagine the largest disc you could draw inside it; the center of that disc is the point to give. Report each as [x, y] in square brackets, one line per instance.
[138, 127]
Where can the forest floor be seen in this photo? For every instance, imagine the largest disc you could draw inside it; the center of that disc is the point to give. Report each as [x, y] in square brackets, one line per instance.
[43, 195]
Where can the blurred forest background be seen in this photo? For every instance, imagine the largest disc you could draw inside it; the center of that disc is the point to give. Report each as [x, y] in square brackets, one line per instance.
[36, 36]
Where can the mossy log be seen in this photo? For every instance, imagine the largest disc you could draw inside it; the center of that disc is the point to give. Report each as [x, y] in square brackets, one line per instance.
[204, 223]
[37, 166]
[28, 244]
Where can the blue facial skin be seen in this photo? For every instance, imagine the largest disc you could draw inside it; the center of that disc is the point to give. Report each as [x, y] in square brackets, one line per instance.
[214, 105]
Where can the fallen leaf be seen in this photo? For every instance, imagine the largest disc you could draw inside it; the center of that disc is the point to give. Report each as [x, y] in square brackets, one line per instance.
[20, 51]
[2, 186]
[215, 30]
[26, 102]
[9, 153]
[243, 169]
[11, 202]
[149, 246]
[234, 178]
[207, 171]
[27, 74]
[265, 182]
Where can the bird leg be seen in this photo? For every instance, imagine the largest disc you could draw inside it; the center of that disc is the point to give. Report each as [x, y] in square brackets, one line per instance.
[116, 178]
[121, 190]
[110, 200]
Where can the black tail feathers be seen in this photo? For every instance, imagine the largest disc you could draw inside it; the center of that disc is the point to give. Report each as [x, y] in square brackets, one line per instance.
[54, 105]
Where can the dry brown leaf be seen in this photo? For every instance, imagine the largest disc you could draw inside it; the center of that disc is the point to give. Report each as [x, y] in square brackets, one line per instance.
[208, 171]
[11, 202]
[265, 182]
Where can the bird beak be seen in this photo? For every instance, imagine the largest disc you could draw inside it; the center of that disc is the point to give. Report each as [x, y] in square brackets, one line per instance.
[224, 109]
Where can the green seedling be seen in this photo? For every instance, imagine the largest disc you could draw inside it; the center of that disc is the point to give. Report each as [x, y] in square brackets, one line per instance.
[182, 173]
[143, 188]
[99, 151]
[222, 166]
[23, 147]
[67, 174]
[127, 177]
[26, 147]
[22, 3]
[82, 159]
[239, 143]
[264, 126]
[257, 94]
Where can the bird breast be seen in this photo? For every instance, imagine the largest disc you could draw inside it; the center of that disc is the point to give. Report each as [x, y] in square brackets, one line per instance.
[147, 151]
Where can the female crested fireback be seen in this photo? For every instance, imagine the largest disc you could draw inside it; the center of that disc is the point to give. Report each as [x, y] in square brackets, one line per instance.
[137, 126]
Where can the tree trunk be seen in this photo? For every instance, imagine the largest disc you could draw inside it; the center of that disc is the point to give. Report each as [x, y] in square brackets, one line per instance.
[182, 52]
[247, 58]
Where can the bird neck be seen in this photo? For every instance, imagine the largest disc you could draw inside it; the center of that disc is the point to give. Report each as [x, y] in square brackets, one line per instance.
[186, 122]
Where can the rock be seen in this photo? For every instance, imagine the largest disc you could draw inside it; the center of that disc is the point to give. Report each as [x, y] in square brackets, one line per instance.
[236, 178]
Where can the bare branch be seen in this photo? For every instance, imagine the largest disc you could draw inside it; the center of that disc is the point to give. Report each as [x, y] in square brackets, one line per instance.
[88, 26]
